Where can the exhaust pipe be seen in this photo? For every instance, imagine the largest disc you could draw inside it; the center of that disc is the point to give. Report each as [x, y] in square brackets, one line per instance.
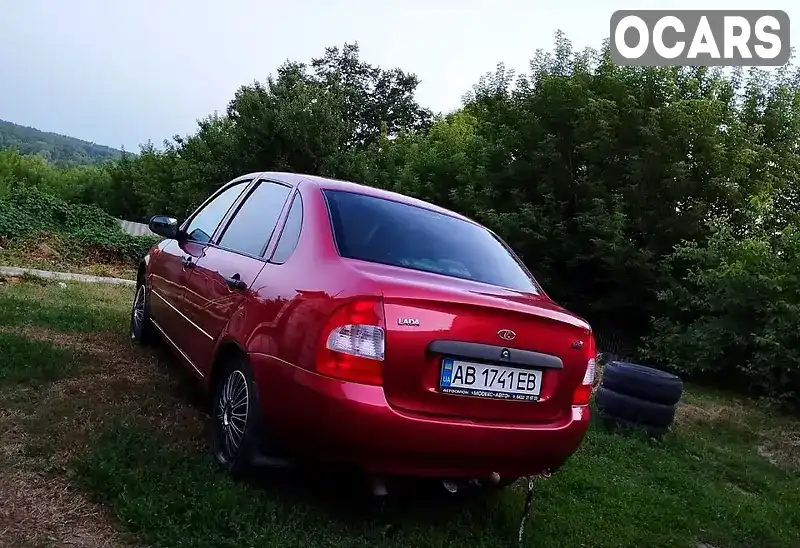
[379, 487]
[450, 486]
[454, 487]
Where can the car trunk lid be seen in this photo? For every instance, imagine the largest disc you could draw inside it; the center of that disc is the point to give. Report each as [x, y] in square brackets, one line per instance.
[435, 322]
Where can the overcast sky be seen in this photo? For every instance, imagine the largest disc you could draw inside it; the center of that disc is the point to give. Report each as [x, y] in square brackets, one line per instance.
[120, 72]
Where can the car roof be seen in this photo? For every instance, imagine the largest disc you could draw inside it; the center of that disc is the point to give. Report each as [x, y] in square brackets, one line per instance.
[326, 183]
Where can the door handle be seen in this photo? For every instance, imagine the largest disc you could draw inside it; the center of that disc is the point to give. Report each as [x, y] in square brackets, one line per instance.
[187, 262]
[235, 282]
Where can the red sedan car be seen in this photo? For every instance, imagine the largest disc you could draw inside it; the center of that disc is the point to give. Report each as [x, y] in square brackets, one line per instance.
[344, 323]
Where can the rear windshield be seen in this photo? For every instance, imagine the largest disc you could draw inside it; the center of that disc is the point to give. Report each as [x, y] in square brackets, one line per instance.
[388, 232]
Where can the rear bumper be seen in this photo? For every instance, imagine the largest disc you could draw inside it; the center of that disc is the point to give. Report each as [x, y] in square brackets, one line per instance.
[334, 420]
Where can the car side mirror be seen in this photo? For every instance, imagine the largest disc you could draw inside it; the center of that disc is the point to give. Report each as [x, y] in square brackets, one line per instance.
[164, 226]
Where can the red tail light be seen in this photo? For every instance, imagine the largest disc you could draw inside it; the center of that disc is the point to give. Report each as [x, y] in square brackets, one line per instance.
[352, 344]
[583, 392]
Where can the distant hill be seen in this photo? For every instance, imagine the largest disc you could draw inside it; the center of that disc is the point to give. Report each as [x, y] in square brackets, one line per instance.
[54, 147]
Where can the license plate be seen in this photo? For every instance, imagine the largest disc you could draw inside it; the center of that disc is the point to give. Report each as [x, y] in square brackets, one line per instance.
[490, 381]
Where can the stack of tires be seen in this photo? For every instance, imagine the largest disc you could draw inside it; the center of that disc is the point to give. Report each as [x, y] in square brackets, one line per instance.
[635, 395]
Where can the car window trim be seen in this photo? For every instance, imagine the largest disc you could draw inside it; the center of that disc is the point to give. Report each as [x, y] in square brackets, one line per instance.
[235, 209]
[295, 196]
[239, 180]
[537, 289]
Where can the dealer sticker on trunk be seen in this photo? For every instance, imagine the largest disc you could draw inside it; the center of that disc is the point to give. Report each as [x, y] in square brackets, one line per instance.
[490, 381]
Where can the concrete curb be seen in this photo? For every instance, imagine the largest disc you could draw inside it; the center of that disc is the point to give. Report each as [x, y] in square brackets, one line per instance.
[16, 272]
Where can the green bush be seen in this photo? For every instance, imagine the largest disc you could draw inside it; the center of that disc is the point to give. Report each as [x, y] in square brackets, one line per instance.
[731, 315]
[592, 172]
[86, 232]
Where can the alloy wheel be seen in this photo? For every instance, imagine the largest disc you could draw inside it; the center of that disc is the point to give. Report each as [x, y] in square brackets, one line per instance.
[137, 312]
[231, 414]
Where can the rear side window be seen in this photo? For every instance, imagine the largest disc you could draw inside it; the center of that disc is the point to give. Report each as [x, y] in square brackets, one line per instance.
[388, 232]
[291, 232]
[252, 225]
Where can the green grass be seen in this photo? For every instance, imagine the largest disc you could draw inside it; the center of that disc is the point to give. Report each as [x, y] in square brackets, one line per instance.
[702, 484]
[78, 307]
[32, 363]
[706, 482]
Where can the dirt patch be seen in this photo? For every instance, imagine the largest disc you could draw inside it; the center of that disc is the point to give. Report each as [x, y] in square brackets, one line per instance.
[782, 451]
[713, 412]
[739, 489]
[98, 346]
[47, 251]
[47, 511]
[44, 251]
[780, 446]
[43, 432]
[121, 380]
[13, 435]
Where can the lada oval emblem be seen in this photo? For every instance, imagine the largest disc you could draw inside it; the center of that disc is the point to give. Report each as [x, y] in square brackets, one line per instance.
[506, 334]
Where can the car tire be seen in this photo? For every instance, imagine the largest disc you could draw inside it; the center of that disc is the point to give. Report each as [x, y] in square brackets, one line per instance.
[141, 328]
[235, 418]
[642, 382]
[634, 410]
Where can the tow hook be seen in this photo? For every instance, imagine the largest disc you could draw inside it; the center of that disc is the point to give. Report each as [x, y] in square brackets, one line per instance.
[528, 502]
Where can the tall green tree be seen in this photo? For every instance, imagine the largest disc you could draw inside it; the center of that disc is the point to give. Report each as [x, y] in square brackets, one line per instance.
[645, 199]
